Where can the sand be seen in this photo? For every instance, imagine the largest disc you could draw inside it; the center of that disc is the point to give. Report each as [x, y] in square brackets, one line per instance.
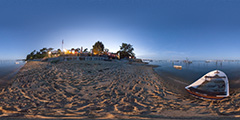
[103, 90]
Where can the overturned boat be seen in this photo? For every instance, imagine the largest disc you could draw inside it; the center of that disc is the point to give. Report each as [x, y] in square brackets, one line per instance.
[213, 85]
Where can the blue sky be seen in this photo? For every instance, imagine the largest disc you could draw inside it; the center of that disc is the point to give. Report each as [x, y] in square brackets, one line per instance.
[157, 29]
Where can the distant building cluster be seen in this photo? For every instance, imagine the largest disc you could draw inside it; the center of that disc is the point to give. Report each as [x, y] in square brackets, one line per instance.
[98, 50]
[76, 52]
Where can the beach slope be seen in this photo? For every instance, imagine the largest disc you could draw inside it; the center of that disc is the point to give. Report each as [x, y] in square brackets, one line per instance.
[102, 90]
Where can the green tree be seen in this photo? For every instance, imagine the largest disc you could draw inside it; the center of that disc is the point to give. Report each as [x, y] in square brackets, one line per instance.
[49, 49]
[31, 55]
[39, 54]
[98, 48]
[28, 57]
[85, 50]
[59, 51]
[33, 52]
[126, 51]
[43, 50]
[72, 49]
[77, 50]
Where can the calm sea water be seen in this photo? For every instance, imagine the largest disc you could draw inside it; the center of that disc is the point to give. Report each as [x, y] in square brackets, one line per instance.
[192, 72]
[9, 68]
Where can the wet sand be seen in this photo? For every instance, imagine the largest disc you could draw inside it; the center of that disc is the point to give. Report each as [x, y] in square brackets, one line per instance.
[102, 90]
[8, 77]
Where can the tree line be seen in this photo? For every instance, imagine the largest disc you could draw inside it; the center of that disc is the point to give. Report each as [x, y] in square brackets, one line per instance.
[126, 51]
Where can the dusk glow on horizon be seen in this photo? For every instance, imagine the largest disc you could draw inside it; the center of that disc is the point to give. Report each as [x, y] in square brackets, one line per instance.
[157, 29]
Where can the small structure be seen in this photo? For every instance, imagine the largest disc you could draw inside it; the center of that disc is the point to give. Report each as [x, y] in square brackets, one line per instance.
[112, 55]
[179, 67]
[88, 58]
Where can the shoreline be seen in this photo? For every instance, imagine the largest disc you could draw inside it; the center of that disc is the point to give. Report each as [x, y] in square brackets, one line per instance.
[102, 90]
[171, 82]
[8, 78]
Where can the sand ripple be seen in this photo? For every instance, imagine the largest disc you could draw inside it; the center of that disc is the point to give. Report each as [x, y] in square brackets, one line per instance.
[102, 90]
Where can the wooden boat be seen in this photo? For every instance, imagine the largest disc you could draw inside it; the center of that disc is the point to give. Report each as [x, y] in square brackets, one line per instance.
[213, 85]
[177, 67]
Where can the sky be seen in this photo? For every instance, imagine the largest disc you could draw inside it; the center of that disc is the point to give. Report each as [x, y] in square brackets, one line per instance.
[157, 29]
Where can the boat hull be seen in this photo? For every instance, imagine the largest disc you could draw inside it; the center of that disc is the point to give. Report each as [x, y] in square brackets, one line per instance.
[201, 96]
[215, 77]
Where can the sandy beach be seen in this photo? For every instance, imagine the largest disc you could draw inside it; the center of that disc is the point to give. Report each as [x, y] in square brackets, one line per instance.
[104, 90]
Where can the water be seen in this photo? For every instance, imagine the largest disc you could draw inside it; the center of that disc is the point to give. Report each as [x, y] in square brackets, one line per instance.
[8, 68]
[192, 72]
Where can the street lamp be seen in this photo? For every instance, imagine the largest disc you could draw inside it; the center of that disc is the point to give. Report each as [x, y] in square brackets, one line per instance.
[64, 51]
[49, 54]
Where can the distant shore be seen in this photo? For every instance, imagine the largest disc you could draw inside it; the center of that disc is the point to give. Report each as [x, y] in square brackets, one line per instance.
[103, 90]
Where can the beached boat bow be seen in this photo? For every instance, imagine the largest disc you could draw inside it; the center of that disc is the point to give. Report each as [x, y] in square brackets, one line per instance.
[213, 85]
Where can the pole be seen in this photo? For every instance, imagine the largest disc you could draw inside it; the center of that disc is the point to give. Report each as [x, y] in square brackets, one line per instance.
[62, 44]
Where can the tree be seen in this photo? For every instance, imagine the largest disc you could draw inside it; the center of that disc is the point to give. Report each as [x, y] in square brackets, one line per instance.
[49, 49]
[28, 57]
[126, 51]
[85, 50]
[39, 54]
[77, 50]
[31, 55]
[72, 49]
[59, 51]
[43, 50]
[33, 52]
[98, 48]
[106, 51]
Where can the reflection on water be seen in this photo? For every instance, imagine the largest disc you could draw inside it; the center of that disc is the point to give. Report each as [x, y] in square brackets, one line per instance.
[191, 72]
[8, 67]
